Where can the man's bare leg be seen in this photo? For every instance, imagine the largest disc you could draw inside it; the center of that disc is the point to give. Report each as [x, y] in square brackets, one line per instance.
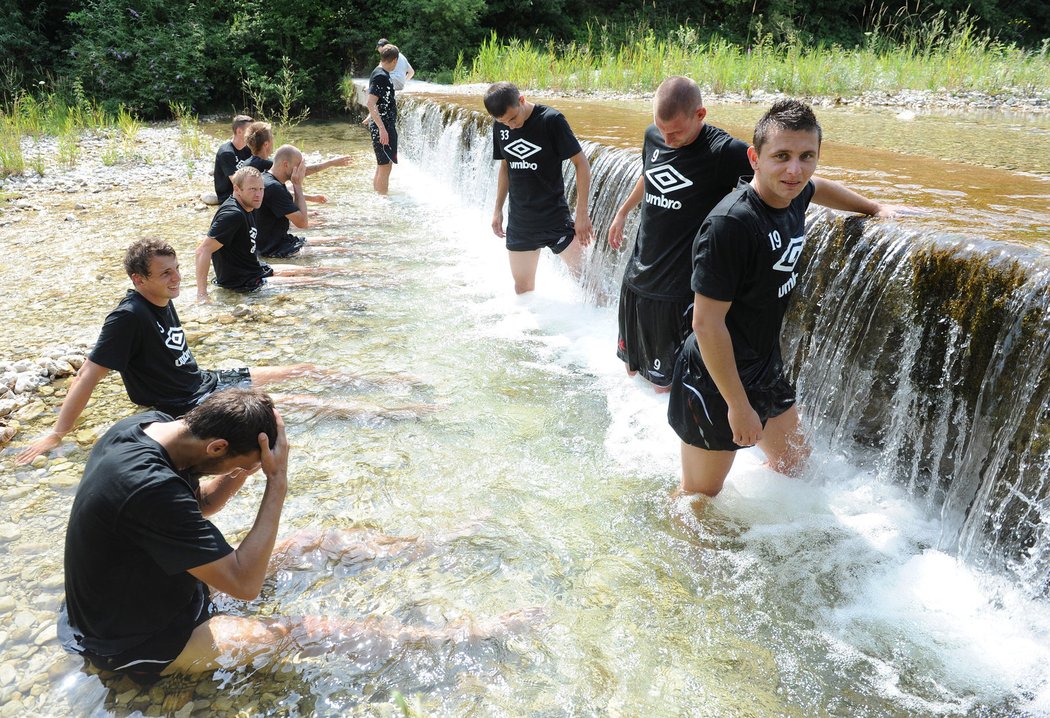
[381, 179]
[573, 258]
[523, 269]
[785, 443]
[231, 641]
[703, 471]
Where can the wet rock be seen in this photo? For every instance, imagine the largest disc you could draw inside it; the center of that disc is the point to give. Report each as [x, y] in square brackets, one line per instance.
[70, 218]
[63, 481]
[86, 436]
[23, 619]
[8, 674]
[126, 697]
[46, 390]
[13, 707]
[7, 432]
[80, 207]
[186, 711]
[28, 381]
[39, 462]
[226, 319]
[9, 532]
[7, 604]
[47, 634]
[74, 360]
[30, 411]
[7, 406]
[241, 310]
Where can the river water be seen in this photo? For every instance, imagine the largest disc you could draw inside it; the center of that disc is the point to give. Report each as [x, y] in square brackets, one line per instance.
[543, 477]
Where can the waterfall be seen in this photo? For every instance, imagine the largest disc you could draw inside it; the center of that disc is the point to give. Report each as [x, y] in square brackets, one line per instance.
[925, 358]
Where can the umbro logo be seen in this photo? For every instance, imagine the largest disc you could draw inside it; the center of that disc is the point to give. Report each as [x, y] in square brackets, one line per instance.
[667, 178]
[522, 148]
[176, 338]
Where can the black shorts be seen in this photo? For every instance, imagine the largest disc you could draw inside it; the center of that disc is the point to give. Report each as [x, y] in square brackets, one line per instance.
[701, 418]
[144, 662]
[250, 285]
[651, 334]
[384, 154]
[287, 246]
[557, 239]
[214, 380]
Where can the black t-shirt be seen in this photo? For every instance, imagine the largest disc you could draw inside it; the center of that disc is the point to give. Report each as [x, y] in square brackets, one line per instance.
[257, 162]
[747, 253]
[236, 263]
[682, 185]
[379, 84]
[134, 530]
[534, 153]
[226, 160]
[147, 345]
[273, 220]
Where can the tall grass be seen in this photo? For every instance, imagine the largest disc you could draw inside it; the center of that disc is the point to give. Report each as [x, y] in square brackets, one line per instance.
[27, 119]
[941, 54]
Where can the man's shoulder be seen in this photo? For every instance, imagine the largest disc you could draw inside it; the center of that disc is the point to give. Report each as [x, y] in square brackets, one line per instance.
[379, 73]
[226, 148]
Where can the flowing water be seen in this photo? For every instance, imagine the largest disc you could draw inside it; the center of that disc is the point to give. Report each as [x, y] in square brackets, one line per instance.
[544, 477]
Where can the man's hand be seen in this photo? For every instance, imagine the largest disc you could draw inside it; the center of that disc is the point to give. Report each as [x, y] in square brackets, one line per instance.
[343, 161]
[497, 225]
[616, 230]
[41, 446]
[203, 298]
[899, 210]
[275, 463]
[299, 173]
[584, 231]
[746, 426]
[384, 136]
[367, 121]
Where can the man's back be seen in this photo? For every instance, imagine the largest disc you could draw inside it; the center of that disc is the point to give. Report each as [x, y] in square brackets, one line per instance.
[134, 530]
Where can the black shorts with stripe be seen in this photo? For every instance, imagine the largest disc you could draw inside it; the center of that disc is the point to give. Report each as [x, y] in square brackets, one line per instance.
[651, 334]
[557, 238]
[701, 417]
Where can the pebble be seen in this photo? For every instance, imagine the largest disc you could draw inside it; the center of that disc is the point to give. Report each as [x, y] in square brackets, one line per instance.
[8, 674]
[241, 310]
[30, 411]
[39, 462]
[185, 711]
[12, 708]
[7, 604]
[16, 492]
[47, 634]
[86, 436]
[63, 481]
[10, 532]
[23, 619]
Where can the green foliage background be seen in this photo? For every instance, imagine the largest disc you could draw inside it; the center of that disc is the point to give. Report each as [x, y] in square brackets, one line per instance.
[149, 53]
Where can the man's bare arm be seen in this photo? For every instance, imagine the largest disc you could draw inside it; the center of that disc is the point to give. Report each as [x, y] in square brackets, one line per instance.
[583, 195]
[79, 395]
[633, 200]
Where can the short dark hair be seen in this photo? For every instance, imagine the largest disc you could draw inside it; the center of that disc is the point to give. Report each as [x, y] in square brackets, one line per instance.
[677, 96]
[240, 121]
[140, 255]
[236, 415]
[500, 97]
[787, 114]
[259, 133]
[382, 41]
[389, 52]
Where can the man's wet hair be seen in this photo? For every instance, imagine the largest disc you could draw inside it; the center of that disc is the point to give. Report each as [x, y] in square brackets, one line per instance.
[677, 96]
[382, 42]
[500, 97]
[787, 114]
[244, 173]
[140, 255]
[240, 121]
[236, 415]
[389, 52]
[259, 133]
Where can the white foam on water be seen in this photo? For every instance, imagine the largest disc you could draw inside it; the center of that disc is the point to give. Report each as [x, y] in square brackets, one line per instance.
[907, 612]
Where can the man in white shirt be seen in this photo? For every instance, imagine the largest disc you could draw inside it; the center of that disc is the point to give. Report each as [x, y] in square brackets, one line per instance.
[404, 70]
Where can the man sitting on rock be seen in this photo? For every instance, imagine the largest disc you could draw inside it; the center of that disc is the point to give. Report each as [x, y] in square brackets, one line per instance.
[227, 157]
[143, 339]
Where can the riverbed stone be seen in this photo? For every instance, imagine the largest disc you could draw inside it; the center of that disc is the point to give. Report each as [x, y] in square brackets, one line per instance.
[39, 462]
[12, 707]
[63, 480]
[7, 604]
[47, 634]
[87, 436]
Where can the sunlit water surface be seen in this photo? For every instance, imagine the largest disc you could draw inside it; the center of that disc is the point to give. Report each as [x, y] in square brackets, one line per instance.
[554, 471]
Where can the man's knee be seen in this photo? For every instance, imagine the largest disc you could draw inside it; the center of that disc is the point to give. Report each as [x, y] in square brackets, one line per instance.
[704, 472]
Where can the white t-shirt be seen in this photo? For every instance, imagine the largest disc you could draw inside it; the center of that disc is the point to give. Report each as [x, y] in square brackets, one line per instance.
[399, 75]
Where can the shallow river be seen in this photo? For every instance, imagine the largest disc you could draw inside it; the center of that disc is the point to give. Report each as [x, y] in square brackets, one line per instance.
[543, 477]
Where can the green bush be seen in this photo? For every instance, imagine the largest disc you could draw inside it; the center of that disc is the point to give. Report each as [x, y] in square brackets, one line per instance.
[147, 53]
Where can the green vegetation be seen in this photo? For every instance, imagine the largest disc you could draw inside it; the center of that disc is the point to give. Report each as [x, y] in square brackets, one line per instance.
[228, 55]
[942, 55]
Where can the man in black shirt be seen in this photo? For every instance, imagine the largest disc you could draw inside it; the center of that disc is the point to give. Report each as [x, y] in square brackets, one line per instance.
[227, 157]
[531, 142]
[382, 117]
[280, 209]
[143, 339]
[231, 244]
[688, 166]
[141, 555]
[728, 389]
